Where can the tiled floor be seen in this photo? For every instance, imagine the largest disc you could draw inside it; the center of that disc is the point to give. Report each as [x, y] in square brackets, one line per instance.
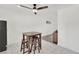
[47, 48]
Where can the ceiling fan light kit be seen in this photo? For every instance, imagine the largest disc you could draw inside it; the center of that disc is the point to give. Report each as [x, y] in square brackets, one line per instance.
[34, 9]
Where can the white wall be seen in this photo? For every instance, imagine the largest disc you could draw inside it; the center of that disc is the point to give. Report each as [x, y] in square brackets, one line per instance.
[68, 27]
[18, 22]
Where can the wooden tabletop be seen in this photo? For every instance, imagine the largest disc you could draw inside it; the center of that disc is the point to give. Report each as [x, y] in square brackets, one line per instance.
[31, 33]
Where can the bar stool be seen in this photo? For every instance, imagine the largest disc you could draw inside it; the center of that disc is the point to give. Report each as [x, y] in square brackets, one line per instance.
[37, 43]
[25, 44]
[31, 42]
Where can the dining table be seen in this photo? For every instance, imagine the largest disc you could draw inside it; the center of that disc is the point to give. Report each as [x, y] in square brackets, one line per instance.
[32, 35]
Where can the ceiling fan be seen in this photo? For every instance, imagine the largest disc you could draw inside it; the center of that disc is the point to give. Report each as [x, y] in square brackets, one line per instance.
[34, 9]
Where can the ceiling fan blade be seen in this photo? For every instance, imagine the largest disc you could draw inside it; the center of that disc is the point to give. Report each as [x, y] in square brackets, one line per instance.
[42, 7]
[25, 6]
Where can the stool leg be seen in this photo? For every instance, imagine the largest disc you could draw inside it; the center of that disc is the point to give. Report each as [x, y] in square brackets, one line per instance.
[23, 48]
[31, 44]
[28, 51]
[34, 45]
[38, 46]
[21, 45]
[29, 48]
[34, 49]
[40, 41]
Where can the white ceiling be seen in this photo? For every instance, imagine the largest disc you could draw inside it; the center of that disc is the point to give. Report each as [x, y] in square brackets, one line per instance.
[14, 8]
[57, 6]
